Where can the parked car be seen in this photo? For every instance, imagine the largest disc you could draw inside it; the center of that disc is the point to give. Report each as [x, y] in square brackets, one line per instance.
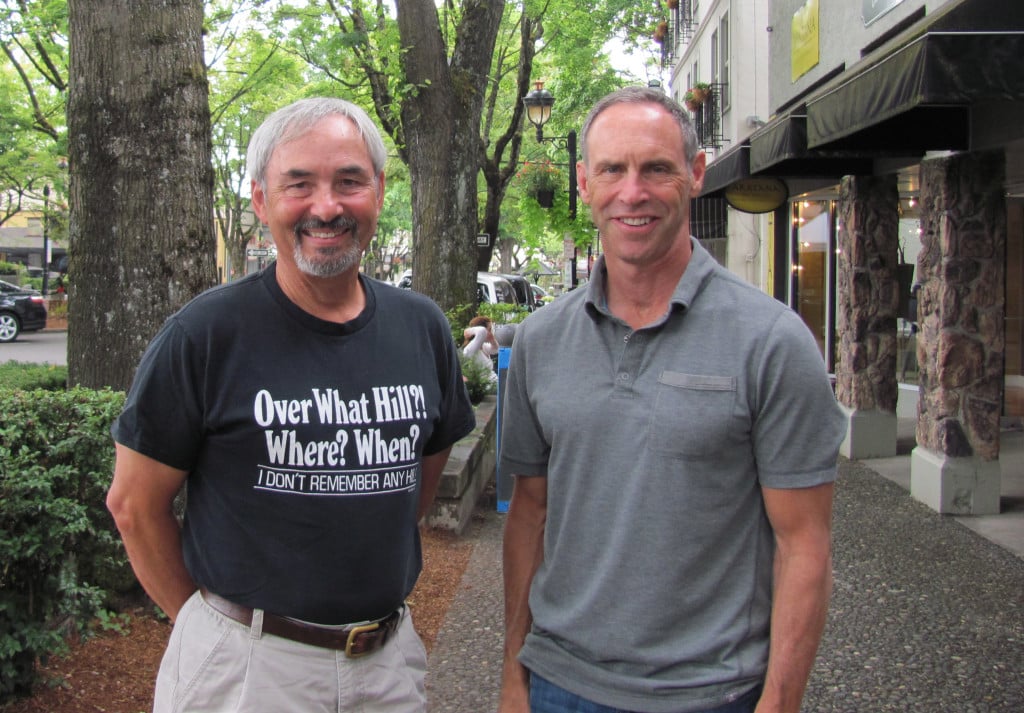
[490, 288]
[495, 289]
[540, 296]
[21, 310]
[524, 295]
[38, 272]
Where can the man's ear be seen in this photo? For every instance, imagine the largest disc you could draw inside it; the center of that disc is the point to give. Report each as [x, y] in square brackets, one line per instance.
[259, 201]
[581, 182]
[380, 192]
[697, 172]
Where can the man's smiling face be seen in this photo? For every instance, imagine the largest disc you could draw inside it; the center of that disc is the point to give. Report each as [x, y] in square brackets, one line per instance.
[321, 199]
[637, 183]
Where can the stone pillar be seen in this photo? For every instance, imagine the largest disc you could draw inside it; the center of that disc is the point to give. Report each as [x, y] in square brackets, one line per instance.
[867, 300]
[961, 266]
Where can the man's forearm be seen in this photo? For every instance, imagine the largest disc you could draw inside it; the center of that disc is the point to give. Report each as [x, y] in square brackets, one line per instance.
[154, 550]
[523, 551]
[803, 585]
[141, 500]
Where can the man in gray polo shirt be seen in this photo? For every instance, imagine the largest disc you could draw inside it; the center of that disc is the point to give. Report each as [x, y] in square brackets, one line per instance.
[674, 439]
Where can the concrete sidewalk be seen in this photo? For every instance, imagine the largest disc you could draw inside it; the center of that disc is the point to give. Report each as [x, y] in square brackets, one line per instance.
[927, 613]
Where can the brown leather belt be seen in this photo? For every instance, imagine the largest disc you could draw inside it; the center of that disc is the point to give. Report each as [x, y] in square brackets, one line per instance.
[355, 641]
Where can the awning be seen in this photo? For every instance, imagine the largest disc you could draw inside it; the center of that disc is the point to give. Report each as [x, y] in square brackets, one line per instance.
[781, 146]
[918, 97]
[728, 167]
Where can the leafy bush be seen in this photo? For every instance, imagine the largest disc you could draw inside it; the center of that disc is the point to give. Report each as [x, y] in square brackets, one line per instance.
[10, 268]
[61, 554]
[58, 309]
[458, 318]
[19, 375]
[504, 313]
[479, 379]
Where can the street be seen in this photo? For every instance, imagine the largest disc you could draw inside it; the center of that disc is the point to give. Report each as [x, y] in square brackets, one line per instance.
[43, 347]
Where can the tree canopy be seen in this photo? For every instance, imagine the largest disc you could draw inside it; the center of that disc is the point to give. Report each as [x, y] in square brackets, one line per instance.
[444, 81]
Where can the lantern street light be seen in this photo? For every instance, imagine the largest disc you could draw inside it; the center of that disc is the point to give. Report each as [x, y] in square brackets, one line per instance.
[538, 103]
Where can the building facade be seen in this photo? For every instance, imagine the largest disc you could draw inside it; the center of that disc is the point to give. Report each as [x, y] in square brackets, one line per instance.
[894, 141]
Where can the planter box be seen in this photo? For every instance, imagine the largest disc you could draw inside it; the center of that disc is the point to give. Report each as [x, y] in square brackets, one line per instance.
[468, 471]
[56, 321]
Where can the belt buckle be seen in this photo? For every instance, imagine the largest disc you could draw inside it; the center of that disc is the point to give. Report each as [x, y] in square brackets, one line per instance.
[356, 631]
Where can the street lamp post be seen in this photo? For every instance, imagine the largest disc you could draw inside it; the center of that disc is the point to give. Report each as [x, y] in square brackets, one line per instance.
[46, 239]
[538, 103]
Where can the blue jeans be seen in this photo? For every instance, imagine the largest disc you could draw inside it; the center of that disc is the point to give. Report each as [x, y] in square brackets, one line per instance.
[546, 697]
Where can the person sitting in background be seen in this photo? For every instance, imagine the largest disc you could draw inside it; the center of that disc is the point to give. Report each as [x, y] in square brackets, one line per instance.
[480, 344]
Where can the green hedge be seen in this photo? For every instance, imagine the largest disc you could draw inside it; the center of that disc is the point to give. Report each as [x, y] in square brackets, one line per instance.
[24, 376]
[62, 557]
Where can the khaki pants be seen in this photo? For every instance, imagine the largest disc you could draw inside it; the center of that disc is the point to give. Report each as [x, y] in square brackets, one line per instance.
[215, 664]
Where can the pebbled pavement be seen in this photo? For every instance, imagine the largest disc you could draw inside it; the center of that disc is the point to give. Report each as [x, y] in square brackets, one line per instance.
[464, 667]
[926, 615]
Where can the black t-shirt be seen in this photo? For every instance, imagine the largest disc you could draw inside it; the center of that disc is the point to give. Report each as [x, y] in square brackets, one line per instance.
[302, 439]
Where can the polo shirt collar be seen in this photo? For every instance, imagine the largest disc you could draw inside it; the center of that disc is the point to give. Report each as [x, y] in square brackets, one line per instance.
[696, 274]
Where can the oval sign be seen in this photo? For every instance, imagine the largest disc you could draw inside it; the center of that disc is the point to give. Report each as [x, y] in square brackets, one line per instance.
[756, 195]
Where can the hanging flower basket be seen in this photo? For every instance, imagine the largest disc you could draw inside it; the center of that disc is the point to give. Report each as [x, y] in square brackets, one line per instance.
[540, 179]
[660, 32]
[701, 91]
[672, 4]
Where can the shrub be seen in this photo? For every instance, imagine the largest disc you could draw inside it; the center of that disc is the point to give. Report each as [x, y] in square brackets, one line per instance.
[58, 309]
[479, 379]
[61, 554]
[504, 313]
[458, 318]
[18, 375]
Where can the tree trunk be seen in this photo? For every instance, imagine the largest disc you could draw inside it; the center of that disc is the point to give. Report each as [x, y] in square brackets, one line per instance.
[141, 229]
[498, 170]
[441, 121]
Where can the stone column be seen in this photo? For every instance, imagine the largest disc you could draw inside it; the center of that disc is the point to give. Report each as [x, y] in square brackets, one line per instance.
[867, 300]
[960, 348]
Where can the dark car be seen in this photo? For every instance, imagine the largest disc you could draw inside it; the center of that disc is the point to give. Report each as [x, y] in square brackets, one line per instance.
[521, 285]
[21, 310]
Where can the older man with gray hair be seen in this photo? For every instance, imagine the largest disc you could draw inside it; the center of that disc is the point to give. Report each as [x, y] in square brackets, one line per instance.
[310, 411]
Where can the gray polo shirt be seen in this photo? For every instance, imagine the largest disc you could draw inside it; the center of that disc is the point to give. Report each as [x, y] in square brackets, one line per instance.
[655, 590]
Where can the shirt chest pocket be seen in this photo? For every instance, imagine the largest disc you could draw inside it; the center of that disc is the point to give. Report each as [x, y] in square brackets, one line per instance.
[693, 414]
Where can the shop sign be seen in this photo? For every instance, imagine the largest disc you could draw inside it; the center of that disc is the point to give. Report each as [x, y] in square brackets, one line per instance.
[756, 195]
[804, 40]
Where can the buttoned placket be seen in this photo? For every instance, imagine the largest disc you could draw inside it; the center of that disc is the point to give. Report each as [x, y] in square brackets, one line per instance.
[628, 367]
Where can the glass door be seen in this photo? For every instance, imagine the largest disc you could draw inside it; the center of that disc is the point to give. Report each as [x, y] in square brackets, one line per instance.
[812, 263]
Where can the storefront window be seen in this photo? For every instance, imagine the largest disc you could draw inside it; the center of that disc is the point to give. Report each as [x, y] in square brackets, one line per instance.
[906, 320]
[812, 269]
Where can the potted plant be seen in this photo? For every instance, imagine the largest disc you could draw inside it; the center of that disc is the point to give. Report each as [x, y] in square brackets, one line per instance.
[690, 101]
[701, 91]
[660, 31]
[540, 179]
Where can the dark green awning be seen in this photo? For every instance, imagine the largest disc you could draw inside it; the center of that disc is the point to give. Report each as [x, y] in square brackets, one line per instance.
[919, 96]
[780, 148]
[728, 167]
